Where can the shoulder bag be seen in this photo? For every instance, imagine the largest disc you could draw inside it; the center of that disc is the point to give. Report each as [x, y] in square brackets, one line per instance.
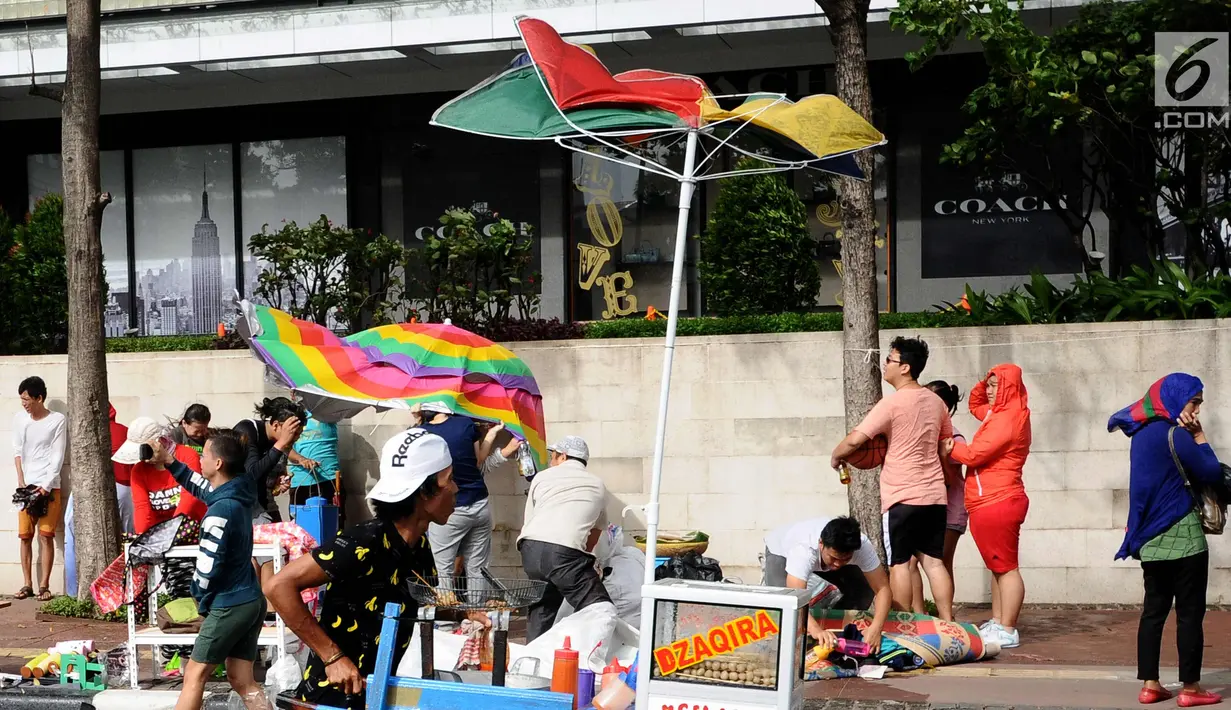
[1210, 509]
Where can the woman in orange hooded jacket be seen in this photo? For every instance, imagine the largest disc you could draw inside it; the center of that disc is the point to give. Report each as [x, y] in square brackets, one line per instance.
[995, 495]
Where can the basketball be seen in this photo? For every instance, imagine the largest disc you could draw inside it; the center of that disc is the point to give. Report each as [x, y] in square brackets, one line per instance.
[870, 455]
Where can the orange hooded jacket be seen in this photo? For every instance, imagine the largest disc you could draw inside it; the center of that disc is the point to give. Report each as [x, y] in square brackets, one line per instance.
[997, 453]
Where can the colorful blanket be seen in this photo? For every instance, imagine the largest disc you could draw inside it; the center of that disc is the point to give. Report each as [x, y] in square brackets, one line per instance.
[938, 643]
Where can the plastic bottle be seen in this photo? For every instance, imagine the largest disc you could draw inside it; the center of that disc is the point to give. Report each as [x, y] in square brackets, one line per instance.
[855, 649]
[585, 687]
[564, 670]
[621, 694]
[611, 674]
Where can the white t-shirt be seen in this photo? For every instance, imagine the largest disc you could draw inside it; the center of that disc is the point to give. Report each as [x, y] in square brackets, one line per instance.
[800, 544]
[40, 446]
[564, 504]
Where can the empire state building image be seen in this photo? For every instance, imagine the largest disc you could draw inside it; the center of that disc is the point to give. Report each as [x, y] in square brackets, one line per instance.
[206, 270]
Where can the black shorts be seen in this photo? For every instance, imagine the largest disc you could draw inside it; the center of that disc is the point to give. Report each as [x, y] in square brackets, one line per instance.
[914, 529]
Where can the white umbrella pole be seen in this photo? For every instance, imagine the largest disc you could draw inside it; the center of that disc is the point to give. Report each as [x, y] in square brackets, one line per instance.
[687, 187]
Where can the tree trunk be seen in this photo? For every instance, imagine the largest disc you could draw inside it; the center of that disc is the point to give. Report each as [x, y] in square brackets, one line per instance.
[96, 524]
[861, 374]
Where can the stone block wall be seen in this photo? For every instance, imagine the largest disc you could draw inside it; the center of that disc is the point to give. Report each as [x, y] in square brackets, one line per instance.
[752, 421]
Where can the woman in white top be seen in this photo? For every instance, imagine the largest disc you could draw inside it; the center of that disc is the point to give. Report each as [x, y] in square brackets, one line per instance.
[956, 516]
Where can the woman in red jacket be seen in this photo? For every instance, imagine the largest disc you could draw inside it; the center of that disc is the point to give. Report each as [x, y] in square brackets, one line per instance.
[995, 495]
[156, 495]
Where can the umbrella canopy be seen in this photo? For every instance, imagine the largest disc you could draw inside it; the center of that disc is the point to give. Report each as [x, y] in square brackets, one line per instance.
[396, 367]
[558, 90]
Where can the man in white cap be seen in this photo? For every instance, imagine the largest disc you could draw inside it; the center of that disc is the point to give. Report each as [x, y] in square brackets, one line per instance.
[367, 566]
[565, 514]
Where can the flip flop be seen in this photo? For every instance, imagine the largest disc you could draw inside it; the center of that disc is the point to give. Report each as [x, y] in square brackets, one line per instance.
[45, 595]
[24, 593]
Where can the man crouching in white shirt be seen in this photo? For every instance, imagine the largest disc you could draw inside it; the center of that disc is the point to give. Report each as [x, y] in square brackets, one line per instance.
[565, 513]
[835, 550]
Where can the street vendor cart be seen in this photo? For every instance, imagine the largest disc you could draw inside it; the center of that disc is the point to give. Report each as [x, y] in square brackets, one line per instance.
[723, 645]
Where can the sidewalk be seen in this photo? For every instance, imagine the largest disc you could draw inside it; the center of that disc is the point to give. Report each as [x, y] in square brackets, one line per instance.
[1069, 658]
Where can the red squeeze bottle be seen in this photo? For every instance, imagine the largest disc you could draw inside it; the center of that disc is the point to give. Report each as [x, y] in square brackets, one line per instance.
[564, 671]
[611, 674]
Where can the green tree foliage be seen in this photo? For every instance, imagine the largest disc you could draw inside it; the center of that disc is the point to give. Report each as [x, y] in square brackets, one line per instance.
[328, 274]
[1092, 80]
[479, 274]
[34, 281]
[757, 255]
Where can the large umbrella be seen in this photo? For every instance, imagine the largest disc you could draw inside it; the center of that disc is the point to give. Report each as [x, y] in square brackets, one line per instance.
[562, 92]
[396, 367]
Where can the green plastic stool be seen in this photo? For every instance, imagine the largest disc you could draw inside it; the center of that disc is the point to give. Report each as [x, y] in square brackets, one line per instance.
[84, 667]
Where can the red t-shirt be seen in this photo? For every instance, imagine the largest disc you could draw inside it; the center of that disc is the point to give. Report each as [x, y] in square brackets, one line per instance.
[156, 495]
[119, 432]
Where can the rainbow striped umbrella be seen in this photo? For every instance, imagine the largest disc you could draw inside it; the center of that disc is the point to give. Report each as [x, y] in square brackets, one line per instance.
[396, 367]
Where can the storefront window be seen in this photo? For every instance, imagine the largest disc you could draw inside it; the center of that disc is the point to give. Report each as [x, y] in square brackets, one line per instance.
[289, 181]
[43, 176]
[821, 196]
[184, 226]
[623, 234]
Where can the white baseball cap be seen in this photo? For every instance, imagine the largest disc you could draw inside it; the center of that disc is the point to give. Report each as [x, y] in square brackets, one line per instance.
[573, 446]
[406, 461]
[143, 430]
[436, 406]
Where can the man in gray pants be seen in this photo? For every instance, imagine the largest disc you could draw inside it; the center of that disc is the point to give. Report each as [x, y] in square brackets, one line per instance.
[565, 514]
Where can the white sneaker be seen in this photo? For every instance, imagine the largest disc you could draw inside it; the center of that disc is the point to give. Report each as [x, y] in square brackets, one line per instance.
[1009, 639]
[990, 623]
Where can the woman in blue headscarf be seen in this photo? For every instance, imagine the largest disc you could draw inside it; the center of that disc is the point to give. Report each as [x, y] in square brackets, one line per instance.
[1164, 530]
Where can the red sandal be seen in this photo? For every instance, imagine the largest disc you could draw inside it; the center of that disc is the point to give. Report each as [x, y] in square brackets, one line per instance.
[1149, 696]
[1192, 700]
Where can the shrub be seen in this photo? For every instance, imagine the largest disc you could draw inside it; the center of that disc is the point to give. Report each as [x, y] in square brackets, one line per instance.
[34, 281]
[72, 608]
[477, 274]
[527, 330]
[777, 323]
[757, 255]
[174, 343]
[1162, 292]
[329, 275]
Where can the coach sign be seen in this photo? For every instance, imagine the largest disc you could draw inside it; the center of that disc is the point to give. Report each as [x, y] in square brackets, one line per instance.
[976, 225]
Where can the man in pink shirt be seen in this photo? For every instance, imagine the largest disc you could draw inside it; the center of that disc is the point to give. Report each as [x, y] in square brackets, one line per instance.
[913, 493]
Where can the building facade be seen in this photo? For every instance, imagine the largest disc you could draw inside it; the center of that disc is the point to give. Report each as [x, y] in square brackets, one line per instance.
[296, 112]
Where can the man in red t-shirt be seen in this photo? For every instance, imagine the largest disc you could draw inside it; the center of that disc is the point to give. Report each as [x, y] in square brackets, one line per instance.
[155, 494]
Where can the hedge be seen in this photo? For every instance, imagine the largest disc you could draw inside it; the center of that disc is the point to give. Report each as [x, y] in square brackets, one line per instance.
[779, 323]
[624, 328]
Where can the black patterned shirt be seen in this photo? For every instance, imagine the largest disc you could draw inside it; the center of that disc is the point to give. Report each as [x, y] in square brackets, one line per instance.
[369, 565]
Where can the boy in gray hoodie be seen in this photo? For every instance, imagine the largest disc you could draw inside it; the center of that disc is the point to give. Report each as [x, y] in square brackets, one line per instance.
[225, 584]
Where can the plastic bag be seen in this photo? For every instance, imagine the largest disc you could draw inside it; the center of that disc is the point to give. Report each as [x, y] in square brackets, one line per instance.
[283, 676]
[608, 544]
[692, 566]
[586, 629]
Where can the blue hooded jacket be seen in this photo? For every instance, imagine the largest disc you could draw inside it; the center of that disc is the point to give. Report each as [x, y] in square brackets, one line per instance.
[224, 576]
[1157, 496]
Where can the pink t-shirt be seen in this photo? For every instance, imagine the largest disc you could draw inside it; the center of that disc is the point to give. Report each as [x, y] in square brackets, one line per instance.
[914, 420]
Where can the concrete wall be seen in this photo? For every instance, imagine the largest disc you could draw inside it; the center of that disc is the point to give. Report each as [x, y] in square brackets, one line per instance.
[753, 419]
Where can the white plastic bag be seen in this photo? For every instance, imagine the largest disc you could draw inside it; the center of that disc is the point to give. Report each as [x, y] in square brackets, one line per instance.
[446, 649]
[585, 630]
[283, 676]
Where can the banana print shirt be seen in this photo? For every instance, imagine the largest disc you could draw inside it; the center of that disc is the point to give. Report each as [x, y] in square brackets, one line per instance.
[369, 565]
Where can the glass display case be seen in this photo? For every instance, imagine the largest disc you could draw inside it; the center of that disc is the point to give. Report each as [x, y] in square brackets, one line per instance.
[740, 646]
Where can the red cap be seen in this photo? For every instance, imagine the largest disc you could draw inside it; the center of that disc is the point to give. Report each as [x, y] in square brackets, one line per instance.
[567, 653]
[614, 667]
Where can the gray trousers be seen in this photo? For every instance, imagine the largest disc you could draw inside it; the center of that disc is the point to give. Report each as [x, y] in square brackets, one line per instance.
[857, 594]
[467, 534]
